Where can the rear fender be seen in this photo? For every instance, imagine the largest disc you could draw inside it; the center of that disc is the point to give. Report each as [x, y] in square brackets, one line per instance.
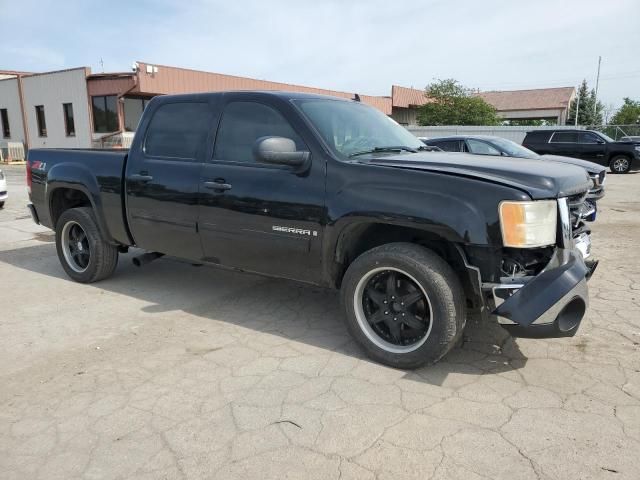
[77, 177]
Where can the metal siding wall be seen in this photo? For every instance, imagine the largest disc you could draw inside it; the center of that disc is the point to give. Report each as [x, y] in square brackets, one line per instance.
[10, 99]
[109, 86]
[510, 133]
[171, 80]
[52, 90]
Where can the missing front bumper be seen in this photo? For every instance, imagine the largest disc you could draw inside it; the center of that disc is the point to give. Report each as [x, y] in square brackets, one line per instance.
[549, 305]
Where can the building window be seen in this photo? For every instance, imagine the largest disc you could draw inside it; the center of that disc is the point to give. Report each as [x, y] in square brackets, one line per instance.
[42, 124]
[69, 125]
[105, 114]
[4, 119]
[133, 108]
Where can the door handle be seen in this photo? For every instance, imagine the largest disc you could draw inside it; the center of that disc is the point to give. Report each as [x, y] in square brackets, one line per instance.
[140, 177]
[217, 185]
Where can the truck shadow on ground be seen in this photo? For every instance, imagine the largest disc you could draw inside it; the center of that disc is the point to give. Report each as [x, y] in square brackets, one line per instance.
[282, 308]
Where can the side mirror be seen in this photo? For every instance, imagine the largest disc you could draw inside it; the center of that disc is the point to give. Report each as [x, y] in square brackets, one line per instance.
[279, 151]
[600, 141]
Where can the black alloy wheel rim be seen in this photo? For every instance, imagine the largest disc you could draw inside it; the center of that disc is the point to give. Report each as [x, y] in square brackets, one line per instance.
[76, 248]
[396, 310]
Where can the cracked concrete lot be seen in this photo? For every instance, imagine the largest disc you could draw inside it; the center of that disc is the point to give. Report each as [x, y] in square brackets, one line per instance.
[173, 371]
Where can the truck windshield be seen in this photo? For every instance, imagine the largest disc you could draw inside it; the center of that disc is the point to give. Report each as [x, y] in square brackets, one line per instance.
[353, 128]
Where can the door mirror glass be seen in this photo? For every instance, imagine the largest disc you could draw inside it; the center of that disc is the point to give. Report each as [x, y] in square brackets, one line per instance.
[279, 151]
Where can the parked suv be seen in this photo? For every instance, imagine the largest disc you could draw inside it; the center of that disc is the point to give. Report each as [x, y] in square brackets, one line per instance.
[588, 145]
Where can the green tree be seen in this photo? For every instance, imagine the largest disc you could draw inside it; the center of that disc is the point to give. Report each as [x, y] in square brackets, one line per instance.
[452, 104]
[629, 113]
[587, 115]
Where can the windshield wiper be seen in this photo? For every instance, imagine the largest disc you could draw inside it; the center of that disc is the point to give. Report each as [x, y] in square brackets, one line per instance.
[398, 148]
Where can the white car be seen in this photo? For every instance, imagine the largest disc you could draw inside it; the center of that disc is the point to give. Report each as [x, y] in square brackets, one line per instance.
[3, 189]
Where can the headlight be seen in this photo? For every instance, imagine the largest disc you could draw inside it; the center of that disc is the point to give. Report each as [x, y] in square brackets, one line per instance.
[528, 224]
[637, 147]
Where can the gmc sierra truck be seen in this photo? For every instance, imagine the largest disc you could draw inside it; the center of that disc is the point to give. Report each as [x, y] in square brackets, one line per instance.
[333, 193]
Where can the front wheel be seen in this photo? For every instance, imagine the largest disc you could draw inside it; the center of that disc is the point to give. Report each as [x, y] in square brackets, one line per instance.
[404, 305]
[620, 164]
[82, 251]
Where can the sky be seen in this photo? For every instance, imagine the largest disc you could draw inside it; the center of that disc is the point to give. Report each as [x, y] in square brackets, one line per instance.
[351, 45]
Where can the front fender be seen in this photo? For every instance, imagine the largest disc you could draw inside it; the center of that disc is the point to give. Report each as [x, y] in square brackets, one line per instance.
[456, 209]
[447, 215]
[77, 177]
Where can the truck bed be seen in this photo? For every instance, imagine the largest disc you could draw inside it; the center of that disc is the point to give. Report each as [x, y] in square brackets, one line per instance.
[100, 173]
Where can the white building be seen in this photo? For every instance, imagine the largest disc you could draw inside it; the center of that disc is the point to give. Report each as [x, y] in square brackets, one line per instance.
[11, 120]
[45, 109]
[56, 107]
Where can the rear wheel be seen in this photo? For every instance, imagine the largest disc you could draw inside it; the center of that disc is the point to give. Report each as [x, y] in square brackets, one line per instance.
[620, 164]
[84, 255]
[404, 305]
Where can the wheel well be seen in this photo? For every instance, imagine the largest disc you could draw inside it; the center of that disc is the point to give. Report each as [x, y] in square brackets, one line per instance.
[361, 238]
[620, 154]
[63, 199]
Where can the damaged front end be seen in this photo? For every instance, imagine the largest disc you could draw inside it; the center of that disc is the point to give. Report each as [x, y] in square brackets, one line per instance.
[550, 304]
[547, 299]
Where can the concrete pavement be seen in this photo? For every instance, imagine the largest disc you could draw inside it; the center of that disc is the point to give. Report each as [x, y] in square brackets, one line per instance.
[172, 371]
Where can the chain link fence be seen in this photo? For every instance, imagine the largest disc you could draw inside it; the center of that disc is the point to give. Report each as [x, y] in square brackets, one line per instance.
[616, 131]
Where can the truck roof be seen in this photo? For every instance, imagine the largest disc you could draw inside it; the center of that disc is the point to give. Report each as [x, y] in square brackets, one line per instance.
[286, 95]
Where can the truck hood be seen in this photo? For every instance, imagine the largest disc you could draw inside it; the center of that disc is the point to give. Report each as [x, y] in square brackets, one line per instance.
[590, 167]
[538, 179]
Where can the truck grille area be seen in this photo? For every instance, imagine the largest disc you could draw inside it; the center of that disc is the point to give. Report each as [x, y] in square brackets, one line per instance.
[578, 210]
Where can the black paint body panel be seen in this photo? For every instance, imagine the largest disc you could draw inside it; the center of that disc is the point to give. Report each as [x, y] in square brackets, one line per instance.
[176, 213]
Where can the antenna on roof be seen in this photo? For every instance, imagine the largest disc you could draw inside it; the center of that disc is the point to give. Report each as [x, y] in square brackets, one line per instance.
[356, 97]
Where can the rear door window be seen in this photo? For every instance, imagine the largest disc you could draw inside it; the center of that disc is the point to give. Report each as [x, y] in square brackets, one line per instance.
[448, 145]
[536, 137]
[178, 131]
[564, 137]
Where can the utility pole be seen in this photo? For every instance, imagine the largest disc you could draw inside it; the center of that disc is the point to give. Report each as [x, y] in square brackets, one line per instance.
[577, 108]
[595, 99]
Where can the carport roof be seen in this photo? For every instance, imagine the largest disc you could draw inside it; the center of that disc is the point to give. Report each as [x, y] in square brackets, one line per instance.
[538, 99]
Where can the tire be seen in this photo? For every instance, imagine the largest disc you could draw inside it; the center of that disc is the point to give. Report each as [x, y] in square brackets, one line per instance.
[2, 204]
[83, 253]
[415, 272]
[620, 164]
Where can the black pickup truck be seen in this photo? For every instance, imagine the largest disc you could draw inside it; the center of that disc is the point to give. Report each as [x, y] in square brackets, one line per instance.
[330, 192]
